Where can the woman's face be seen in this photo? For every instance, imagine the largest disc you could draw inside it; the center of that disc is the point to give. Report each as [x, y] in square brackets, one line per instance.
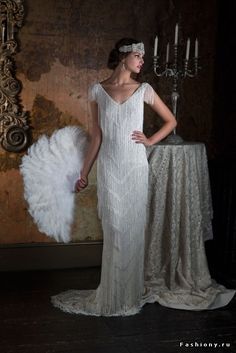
[134, 62]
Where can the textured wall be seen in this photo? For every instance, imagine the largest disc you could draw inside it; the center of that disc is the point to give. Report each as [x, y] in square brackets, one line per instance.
[63, 49]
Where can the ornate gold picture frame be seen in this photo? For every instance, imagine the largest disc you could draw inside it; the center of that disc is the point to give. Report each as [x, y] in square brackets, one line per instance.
[13, 121]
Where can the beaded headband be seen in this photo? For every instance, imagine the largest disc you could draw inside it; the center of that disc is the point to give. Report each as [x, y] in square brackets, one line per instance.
[139, 47]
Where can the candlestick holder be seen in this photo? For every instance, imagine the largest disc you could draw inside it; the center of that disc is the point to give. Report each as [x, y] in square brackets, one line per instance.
[177, 70]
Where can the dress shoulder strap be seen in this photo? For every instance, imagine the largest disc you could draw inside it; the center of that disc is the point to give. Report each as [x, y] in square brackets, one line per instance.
[93, 92]
[149, 93]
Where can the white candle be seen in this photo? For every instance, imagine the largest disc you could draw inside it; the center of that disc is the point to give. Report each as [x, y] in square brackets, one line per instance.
[167, 52]
[155, 46]
[176, 33]
[196, 48]
[188, 49]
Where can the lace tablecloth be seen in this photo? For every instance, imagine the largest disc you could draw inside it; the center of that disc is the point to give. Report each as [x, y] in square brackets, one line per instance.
[179, 221]
[180, 194]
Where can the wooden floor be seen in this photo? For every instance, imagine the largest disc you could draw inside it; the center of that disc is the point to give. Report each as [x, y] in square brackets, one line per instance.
[30, 324]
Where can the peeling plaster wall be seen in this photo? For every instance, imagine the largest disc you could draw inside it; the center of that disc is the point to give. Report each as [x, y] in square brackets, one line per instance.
[63, 49]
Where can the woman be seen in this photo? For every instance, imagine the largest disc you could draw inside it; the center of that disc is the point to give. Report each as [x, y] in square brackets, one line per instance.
[122, 183]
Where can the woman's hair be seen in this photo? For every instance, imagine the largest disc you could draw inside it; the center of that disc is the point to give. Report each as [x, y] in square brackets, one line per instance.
[115, 55]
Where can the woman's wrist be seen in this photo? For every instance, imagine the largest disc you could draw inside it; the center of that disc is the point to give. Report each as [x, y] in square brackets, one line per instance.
[83, 176]
[150, 141]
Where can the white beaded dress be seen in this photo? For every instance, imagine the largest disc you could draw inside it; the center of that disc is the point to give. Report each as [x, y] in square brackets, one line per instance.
[122, 187]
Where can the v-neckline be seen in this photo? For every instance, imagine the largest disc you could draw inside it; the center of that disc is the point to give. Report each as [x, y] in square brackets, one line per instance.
[126, 100]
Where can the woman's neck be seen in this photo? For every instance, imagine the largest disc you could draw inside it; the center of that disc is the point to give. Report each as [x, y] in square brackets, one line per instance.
[120, 77]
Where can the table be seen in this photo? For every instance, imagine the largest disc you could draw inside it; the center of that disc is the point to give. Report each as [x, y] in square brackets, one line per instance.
[178, 222]
[180, 188]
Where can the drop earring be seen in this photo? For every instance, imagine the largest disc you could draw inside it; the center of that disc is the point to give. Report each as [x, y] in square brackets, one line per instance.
[123, 66]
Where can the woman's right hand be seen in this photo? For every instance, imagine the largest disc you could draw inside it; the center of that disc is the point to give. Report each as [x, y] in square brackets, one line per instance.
[81, 184]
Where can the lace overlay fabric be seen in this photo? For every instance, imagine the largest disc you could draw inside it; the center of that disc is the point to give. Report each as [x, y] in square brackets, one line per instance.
[178, 221]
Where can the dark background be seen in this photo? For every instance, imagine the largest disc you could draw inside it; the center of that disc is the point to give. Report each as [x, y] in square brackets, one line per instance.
[222, 251]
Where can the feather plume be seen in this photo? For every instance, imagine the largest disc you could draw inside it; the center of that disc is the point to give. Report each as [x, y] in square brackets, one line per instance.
[50, 170]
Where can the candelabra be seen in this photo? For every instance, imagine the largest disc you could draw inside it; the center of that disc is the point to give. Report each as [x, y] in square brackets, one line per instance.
[177, 70]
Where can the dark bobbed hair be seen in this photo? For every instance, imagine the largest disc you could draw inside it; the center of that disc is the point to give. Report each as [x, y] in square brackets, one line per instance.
[115, 56]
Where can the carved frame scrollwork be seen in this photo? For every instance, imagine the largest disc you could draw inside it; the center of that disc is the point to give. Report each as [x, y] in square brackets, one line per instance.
[13, 121]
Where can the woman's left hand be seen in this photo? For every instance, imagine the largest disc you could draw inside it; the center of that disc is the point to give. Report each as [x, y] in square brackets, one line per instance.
[139, 137]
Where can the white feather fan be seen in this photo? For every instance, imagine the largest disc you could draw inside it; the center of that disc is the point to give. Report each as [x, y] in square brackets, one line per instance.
[50, 170]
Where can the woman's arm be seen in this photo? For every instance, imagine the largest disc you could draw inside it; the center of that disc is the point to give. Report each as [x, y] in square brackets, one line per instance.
[93, 149]
[170, 123]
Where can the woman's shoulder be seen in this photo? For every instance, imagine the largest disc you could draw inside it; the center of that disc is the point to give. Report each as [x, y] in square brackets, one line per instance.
[93, 91]
[94, 84]
[149, 93]
[104, 82]
[143, 84]
[146, 84]
[107, 84]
